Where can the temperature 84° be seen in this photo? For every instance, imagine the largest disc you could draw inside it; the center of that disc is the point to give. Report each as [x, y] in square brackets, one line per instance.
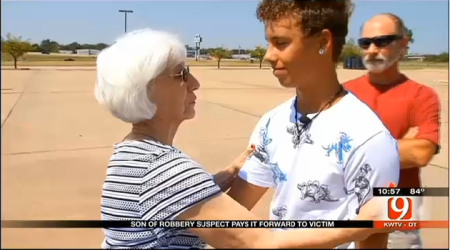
[417, 191]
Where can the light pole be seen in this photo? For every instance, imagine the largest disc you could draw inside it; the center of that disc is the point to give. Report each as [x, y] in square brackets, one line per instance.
[126, 12]
[197, 40]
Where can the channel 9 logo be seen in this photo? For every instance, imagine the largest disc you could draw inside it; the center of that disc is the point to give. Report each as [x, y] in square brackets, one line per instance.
[400, 208]
[405, 208]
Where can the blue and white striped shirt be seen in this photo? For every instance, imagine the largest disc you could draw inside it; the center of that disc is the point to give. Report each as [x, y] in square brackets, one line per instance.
[147, 180]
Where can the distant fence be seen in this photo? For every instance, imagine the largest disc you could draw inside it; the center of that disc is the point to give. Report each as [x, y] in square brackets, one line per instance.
[57, 54]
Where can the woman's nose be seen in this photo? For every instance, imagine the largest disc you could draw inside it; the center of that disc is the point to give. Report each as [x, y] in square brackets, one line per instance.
[194, 84]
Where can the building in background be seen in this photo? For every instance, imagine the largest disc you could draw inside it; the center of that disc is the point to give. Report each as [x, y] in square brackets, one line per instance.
[190, 53]
[88, 52]
[66, 52]
[414, 57]
[242, 56]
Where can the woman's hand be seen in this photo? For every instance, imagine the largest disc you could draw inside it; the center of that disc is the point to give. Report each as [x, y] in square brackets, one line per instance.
[227, 176]
[237, 164]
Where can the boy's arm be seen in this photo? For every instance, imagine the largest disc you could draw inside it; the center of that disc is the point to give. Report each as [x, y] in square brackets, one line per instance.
[375, 163]
[256, 176]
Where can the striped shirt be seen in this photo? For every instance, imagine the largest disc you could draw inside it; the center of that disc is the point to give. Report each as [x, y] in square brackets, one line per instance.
[147, 180]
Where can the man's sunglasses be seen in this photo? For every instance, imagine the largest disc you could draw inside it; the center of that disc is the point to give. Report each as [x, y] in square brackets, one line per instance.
[379, 41]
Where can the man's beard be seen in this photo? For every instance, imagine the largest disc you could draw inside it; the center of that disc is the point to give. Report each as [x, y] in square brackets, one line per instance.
[378, 63]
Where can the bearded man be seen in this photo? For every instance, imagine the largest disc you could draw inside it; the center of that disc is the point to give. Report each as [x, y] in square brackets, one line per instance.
[410, 110]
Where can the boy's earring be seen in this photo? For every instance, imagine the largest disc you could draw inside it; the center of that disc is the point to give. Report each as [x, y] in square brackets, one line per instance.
[321, 51]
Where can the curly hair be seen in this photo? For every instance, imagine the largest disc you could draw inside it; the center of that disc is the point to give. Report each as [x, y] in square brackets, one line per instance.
[313, 16]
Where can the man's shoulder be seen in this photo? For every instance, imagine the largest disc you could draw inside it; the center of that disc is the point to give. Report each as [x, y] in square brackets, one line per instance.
[351, 84]
[419, 89]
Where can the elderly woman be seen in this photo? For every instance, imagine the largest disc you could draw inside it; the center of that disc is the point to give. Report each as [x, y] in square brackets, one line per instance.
[142, 79]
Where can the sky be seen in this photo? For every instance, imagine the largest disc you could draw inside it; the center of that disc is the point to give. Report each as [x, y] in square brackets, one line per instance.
[229, 23]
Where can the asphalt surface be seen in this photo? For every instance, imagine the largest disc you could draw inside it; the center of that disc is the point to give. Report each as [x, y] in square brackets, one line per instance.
[56, 142]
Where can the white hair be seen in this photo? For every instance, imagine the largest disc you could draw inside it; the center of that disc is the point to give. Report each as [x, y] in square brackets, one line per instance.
[128, 66]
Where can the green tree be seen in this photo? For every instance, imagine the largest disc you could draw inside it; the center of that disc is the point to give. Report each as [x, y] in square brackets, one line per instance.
[259, 53]
[443, 57]
[207, 51]
[350, 49]
[101, 46]
[219, 53]
[49, 46]
[15, 46]
[409, 35]
[89, 46]
[74, 46]
[35, 48]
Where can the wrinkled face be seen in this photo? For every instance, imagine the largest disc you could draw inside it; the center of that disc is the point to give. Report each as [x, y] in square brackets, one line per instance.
[381, 44]
[173, 94]
[294, 58]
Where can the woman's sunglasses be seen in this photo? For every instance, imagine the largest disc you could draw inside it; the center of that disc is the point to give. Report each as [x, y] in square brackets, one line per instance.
[184, 74]
[379, 41]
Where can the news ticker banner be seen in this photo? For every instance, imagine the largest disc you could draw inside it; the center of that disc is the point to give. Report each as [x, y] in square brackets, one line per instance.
[281, 224]
[412, 204]
[400, 208]
[426, 191]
